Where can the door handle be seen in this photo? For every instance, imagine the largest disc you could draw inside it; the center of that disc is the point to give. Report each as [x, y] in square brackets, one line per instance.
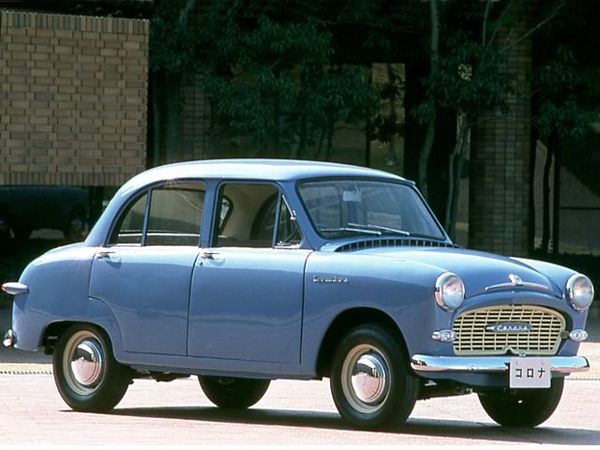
[208, 254]
[103, 254]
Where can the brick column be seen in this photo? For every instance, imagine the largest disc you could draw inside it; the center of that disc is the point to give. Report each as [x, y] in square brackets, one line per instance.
[73, 94]
[499, 173]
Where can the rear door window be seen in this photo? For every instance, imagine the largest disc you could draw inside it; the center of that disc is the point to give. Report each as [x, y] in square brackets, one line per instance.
[164, 215]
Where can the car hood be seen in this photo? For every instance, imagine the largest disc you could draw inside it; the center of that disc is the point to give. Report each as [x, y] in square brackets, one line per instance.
[481, 272]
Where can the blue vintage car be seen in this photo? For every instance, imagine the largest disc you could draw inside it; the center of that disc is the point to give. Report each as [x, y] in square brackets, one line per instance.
[246, 271]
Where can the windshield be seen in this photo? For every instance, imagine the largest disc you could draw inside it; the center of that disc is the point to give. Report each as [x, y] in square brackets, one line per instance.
[343, 208]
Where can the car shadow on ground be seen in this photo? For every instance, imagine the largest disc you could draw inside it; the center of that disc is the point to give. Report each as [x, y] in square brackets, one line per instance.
[455, 429]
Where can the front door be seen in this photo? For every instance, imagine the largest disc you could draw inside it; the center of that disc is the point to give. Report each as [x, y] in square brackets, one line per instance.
[247, 304]
[247, 289]
[144, 272]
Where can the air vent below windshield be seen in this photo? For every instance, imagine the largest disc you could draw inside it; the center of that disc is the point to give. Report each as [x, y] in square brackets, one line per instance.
[378, 243]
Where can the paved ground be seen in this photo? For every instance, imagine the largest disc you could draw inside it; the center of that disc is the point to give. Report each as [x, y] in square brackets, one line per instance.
[291, 412]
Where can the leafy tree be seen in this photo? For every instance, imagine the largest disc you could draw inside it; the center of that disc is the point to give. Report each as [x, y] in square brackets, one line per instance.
[172, 61]
[271, 80]
[467, 77]
[564, 111]
[468, 72]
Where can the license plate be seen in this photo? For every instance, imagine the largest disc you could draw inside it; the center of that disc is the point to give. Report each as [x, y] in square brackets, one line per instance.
[527, 373]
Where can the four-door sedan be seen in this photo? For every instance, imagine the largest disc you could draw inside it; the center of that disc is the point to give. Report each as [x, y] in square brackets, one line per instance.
[246, 271]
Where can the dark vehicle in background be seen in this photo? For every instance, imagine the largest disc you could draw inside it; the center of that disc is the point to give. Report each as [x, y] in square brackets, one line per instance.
[24, 209]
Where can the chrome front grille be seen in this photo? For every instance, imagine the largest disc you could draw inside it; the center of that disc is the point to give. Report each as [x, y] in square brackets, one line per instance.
[473, 336]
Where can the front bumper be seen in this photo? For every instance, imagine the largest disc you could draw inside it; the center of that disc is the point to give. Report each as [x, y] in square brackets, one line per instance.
[490, 364]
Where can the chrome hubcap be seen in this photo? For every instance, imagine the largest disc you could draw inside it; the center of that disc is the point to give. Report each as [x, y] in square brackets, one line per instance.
[84, 363]
[369, 378]
[366, 378]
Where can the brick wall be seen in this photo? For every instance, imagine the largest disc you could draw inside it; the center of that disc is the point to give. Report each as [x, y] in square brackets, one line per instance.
[73, 95]
[499, 175]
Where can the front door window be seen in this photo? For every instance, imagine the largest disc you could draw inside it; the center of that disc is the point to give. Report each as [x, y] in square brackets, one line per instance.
[257, 216]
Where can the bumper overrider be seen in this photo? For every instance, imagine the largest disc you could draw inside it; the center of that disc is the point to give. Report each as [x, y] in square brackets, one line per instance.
[13, 288]
[491, 364]
[9, 339]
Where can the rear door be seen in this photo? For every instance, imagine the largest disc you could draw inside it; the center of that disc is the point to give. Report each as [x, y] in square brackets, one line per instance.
[144, 272]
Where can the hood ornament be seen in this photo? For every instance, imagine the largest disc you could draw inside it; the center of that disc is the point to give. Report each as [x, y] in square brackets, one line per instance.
[515, 280]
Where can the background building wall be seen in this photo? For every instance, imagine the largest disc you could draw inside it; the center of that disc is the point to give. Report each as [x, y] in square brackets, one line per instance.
[500, 160]
[73, 99]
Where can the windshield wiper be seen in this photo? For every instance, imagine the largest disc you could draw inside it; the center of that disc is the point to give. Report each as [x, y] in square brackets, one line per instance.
[380, 228]
[352, 229]
[428, 236]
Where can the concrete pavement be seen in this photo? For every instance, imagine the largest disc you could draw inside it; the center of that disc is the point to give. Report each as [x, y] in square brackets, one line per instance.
[291, 413]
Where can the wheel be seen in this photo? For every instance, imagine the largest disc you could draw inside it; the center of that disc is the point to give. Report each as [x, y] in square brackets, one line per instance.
[523, 407]
[232, 393]
[85, 372]
[371, 383]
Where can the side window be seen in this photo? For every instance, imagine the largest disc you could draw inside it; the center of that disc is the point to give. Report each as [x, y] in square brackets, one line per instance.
[288, 233]
[130, 228]
[174, 217]
[251, 219]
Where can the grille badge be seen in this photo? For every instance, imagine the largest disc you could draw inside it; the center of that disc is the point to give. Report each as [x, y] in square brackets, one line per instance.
[509, 328]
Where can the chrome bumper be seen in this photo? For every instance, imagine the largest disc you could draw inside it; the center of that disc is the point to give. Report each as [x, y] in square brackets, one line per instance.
[483, 364]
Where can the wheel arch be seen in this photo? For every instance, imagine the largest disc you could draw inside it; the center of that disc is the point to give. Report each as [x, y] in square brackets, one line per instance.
[55, 330]
[98, 315]
[347, 320]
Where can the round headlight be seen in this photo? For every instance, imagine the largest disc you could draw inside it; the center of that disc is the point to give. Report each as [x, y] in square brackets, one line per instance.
[449, 291]
[580, 291]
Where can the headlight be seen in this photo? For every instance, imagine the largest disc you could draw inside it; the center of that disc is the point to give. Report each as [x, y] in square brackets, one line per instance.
[449, 291]
[580, 291]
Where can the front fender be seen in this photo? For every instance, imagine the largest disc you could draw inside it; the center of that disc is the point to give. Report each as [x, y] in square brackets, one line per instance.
[338, 282]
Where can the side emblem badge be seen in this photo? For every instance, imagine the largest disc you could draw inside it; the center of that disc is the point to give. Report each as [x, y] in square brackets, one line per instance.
[330, 280]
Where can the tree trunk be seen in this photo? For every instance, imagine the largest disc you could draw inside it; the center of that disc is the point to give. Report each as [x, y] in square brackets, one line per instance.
[156, 119]
[556, 203]
[173, 107]
[455, 173]
[531, 200]
[430, 135]
[368, 139]
[424, 158]
[300, 148]
[330, 130]
[545, 247]
[320, 144]
[393, 145]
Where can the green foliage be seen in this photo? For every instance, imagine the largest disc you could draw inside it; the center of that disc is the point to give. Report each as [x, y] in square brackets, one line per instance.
[469, 79]
[172, 41]
[563, 88]
[273, 80]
